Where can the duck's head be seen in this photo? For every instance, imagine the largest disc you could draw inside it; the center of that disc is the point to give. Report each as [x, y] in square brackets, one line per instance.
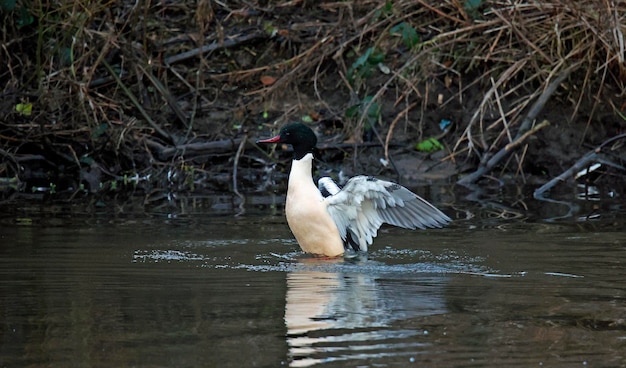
[298, 135]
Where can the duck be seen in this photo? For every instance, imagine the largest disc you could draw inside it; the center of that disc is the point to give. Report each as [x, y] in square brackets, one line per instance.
[328, 220]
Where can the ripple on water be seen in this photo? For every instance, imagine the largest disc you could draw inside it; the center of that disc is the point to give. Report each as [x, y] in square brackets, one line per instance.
[382, 261]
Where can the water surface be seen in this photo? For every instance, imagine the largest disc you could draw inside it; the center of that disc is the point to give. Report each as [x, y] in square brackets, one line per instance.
[235, 291]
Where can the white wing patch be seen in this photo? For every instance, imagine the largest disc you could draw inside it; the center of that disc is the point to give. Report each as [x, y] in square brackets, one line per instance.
[327, 186]
[365, 203]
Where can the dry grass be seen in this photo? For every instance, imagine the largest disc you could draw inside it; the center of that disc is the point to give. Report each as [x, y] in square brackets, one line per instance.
[109, 83]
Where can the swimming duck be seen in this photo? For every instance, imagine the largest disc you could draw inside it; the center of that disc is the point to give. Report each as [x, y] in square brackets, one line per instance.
[328, 220]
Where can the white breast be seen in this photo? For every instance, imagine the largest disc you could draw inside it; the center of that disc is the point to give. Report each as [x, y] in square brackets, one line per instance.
[307, 214]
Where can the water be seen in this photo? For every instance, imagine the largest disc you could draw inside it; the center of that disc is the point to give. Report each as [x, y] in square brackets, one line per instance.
[228, 291]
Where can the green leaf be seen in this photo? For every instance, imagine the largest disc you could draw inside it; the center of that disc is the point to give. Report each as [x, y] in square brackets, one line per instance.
[388, 7]
[410, 37]
[376, 57]
[374, 108]
[429, 145]
[65, 56]
[353, 110]
[24, 109]
[7, 5]
[363, 59]
[87, 160]
[25, 18]
[407, 32]
[397, 29]
[270, 29]
[471, 6]
[99, 130]
[363, 66]
[373, 112]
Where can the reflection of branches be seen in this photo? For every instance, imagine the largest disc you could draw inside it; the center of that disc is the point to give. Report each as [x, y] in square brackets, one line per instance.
[572, 208]
[496, 208]
[242, 145]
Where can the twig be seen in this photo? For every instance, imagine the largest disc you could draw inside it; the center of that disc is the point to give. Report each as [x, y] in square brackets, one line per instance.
[521, 139]
[393, 125]
[592, 155]
[522, 36]
[214, 46]
[229, 145]
[579, 165]
[139, 107]
[173, 104]
[166, 152]
[524, 128]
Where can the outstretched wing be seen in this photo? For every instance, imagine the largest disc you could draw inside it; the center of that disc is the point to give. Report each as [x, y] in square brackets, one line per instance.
[365, 203]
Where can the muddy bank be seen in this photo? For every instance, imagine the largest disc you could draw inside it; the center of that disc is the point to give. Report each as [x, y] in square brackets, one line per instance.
[170, 97]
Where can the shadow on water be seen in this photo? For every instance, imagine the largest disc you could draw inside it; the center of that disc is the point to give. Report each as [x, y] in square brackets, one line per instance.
[231, 292]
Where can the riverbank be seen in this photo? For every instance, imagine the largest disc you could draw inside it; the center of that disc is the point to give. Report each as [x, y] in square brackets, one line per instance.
[170, 97]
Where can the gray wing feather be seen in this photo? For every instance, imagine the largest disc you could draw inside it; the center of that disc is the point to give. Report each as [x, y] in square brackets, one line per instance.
[365, 203]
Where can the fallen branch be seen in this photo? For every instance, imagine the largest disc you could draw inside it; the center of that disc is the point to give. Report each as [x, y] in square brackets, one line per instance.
[583, 162]
[579, 165]
[167, 152]
[172, 103]
[521, 134]
[214, 46]
[520, 140]
[136, 103]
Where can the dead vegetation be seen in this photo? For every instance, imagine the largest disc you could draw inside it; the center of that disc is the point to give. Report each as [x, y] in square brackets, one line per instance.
[164, 96]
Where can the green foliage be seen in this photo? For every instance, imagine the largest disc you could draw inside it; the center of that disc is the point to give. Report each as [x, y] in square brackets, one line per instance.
[270, 29]
[7, 5]
[363, 66]
[372, 114]
[99, 130]
[25, 109]
[25, 18]
[87, 160]
[429, 145]
[409, 35]
[471, 7]
[385, 11]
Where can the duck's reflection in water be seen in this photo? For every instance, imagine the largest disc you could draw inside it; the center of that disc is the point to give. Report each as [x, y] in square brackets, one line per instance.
[336, 315]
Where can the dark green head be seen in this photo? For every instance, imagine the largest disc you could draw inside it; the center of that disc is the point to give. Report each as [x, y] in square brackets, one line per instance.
[298, 135]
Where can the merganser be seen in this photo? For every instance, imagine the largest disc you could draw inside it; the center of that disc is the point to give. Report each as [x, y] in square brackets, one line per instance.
[327, 220]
